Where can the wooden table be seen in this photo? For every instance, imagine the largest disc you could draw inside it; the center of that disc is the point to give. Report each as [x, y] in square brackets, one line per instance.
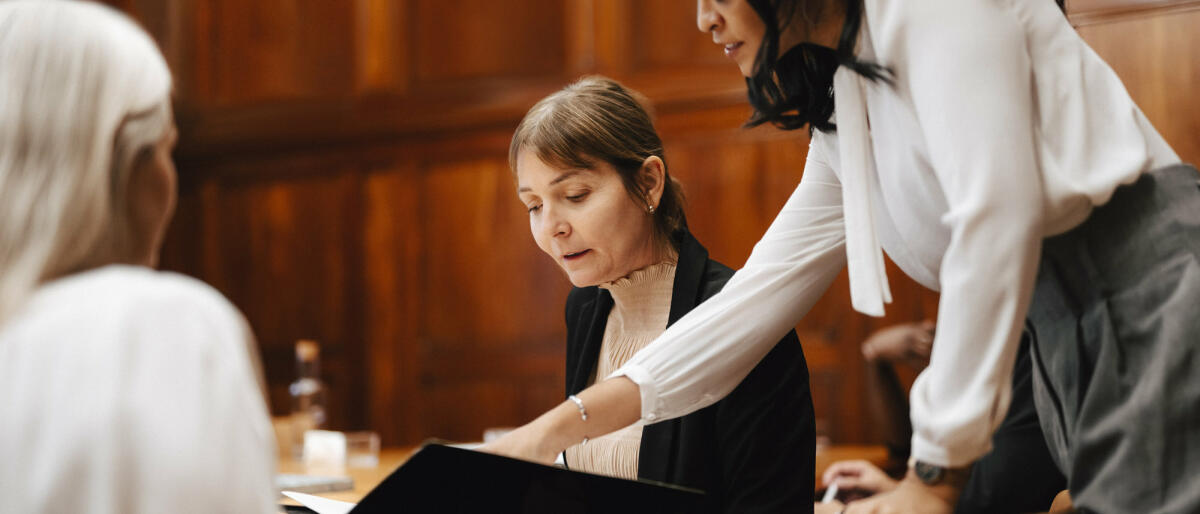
[366, 479]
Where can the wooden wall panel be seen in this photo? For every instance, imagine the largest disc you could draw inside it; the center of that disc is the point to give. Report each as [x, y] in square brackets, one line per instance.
[462, 39]
[665, 36]
[288, 258]
[394, 257]
[1156, 57]
[273, 50]
[489, 287]
[383, 49]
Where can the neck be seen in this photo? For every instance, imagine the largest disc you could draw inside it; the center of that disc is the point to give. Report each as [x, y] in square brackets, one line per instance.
[825, 31]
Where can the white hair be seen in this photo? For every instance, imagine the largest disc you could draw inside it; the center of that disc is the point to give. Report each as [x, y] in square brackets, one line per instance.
[84, 95]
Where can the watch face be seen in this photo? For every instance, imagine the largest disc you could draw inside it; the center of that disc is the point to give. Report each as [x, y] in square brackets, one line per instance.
[928, 473]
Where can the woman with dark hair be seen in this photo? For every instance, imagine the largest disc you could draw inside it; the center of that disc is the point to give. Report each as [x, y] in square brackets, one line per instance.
[1000, 161]
[589, 168]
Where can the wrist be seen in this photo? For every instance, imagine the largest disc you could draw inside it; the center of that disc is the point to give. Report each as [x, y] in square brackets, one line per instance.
[942, 481]
[561, 428]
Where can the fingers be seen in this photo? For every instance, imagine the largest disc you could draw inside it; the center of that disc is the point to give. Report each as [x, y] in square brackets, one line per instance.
[832, 507]
[844, 468]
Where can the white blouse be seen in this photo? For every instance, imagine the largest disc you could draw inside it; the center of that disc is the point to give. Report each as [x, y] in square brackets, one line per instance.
[1003, 128]
[125, 390]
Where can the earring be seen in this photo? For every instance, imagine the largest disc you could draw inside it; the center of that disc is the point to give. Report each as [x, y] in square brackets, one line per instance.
[650, 208]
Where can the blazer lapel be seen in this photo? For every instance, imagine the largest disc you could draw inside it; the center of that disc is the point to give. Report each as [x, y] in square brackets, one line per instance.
[592, 318]
[660, 441]
[689, 277]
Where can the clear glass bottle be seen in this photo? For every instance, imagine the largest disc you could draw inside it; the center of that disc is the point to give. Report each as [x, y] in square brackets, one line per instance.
[308, 395]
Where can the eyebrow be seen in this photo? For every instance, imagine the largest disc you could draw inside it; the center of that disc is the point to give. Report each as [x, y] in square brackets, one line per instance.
[560, 178]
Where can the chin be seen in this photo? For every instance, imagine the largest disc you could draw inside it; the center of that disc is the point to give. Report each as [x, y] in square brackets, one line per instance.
[580, 281]
[747, 70]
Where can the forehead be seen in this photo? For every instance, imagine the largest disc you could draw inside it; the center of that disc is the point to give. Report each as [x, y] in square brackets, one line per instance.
[533, 172]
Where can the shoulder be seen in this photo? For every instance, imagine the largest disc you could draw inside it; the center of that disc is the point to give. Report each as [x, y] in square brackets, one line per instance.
[134, 300]
[716, 275]
[131, 287]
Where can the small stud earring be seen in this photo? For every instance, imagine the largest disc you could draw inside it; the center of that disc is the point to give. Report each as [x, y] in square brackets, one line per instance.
[650, 208]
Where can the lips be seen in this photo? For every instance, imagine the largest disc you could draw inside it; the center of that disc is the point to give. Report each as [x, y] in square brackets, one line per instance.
[732, 48]
[575, 255]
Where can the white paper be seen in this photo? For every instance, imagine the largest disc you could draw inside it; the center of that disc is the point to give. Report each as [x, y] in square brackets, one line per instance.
[320, 505]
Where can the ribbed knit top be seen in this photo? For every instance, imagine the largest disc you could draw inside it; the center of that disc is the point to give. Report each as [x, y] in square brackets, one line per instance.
[641, 305]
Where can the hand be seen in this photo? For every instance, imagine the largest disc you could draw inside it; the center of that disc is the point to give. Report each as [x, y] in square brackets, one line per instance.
[912, 342]
[526, 443]
[858, 475]
[833, 507]
[1062, 502]
[910, 496]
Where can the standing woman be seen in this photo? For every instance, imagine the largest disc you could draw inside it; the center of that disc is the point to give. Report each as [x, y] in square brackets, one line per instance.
[1000, 161]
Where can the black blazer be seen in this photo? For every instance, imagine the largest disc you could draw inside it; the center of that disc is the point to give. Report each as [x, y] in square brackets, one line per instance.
[753, 451]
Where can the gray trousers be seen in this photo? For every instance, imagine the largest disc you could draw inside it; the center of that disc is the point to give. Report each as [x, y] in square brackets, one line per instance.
[1115, 341]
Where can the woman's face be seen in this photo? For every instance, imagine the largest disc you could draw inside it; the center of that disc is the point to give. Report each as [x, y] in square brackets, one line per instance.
[735, 26]
[585, 220]
[738, 28]
[152, 195]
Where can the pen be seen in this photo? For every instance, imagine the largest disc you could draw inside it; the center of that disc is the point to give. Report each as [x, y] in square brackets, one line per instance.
[830, 493]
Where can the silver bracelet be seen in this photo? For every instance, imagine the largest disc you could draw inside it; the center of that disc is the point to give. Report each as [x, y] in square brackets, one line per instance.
[579, 403]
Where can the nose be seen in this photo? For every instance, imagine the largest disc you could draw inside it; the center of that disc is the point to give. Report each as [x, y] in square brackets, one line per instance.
[554, 223]
[707, 19]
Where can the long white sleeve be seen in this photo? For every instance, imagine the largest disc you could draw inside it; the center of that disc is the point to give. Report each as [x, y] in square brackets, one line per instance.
[971, 82]
[708, 352]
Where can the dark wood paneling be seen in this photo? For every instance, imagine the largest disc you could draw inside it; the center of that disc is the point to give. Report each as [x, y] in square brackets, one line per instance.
[394, 257]
[489, 287]
[1157, 56]
[270, 50]
[461, 39]
[287, 256]
[665, 35]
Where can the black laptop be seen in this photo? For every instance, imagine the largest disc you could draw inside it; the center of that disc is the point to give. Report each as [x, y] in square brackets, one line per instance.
[445, 479]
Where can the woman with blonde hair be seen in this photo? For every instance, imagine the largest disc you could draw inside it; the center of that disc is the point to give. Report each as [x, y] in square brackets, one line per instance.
[123, 389]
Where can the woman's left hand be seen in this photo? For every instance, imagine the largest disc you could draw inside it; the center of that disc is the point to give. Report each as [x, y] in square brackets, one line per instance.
[526, 443]
[833, 507]
[911, 496]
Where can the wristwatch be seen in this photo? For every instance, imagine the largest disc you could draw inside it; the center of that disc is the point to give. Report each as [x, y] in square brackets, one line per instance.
[932, 474]
[929, 474]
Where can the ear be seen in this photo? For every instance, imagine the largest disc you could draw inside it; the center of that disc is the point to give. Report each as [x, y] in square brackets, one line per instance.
[652, 179]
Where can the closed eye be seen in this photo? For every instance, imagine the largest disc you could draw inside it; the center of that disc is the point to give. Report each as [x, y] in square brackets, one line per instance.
[577, 198]
[534, 208]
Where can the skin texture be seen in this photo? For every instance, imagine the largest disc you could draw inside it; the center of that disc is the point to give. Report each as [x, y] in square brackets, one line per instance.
[858, 475]
[151, 201]
[586, 221]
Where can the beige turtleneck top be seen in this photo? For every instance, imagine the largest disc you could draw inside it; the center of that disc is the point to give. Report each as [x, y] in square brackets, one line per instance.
[641, 305]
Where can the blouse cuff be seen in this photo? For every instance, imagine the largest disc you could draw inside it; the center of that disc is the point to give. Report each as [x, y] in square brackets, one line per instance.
[938, 455]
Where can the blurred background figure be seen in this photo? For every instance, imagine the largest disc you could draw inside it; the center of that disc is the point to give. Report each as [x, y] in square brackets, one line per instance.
[1017, 476]
[123, 390]
[590, 170]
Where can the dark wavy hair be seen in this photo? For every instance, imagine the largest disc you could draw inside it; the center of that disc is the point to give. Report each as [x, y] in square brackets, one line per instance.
[796, 89]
